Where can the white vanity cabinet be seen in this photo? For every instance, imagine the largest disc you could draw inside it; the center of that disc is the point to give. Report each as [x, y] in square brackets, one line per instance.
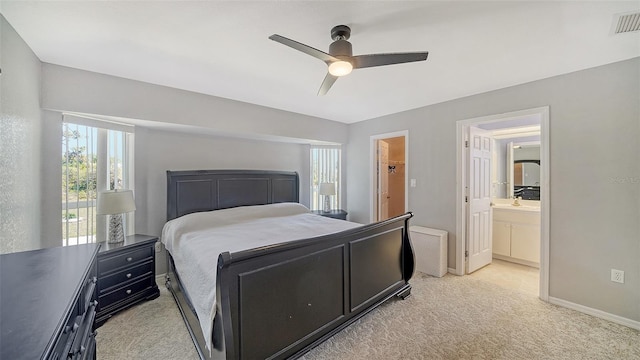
[501, 237]
[516, 234]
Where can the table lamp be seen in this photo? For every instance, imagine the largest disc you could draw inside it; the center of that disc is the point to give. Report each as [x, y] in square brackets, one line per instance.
[115, 203]
[327, 189]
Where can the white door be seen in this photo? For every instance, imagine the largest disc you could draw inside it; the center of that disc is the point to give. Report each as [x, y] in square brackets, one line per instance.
[479, 220]
[383, 180]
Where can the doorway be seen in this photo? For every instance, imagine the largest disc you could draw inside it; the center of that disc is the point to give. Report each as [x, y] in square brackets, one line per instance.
[389, 165]
[515, 124]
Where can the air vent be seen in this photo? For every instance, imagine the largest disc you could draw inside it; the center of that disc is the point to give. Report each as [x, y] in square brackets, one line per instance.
[624, 23]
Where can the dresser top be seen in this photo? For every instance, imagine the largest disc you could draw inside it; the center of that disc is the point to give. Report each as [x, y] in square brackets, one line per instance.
[37, 291]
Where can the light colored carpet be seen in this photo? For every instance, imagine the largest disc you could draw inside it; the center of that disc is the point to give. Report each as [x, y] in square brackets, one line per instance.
[150, 330]
[470, 317]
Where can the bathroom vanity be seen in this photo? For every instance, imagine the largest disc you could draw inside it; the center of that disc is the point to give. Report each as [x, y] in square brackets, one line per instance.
[516, 234]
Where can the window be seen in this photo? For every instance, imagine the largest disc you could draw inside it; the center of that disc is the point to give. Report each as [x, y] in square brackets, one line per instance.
[325, 168]
[96, 156]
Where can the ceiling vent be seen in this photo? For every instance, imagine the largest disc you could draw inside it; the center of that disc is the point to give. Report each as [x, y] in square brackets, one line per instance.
[624, 23]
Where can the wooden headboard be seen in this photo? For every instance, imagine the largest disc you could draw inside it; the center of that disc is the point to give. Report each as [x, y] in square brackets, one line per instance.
[204, 190]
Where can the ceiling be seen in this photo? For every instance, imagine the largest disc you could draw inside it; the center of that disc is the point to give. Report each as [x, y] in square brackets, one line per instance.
[221, 48]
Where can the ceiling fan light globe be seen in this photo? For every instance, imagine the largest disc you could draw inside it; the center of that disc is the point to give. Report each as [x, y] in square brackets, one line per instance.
[340, 68]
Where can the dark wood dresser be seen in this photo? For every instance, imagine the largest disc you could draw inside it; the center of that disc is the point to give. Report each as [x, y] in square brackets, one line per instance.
[48, 303]
[126, 275]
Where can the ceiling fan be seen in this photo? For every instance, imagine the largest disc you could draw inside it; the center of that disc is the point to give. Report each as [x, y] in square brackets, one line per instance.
[340, 59]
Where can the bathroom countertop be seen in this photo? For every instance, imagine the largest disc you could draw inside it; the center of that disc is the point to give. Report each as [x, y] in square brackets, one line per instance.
[509, 207]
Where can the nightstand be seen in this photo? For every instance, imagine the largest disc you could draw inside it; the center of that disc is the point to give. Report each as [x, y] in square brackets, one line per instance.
[336, 214]
[126, 275]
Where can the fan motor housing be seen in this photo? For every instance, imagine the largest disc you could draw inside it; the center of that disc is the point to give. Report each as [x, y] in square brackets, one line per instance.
[340, 48]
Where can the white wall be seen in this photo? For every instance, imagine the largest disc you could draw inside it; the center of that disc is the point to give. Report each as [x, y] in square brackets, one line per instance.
[20, 129]
[595, 214]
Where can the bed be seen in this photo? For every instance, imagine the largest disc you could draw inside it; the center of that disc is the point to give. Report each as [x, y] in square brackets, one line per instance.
[281, 299]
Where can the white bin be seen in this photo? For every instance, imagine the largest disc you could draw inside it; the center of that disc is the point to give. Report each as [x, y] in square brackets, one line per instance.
[430, 248]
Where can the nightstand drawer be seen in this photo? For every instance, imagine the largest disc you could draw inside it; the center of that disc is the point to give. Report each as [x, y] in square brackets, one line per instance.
[124, 292]
[118, 279]
[123, 259]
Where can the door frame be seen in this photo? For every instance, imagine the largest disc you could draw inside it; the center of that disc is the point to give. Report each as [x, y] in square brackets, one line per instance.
[461, 174]
[373, 174]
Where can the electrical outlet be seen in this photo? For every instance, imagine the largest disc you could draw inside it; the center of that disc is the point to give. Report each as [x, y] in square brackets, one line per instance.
[158, 246]
[617, 276]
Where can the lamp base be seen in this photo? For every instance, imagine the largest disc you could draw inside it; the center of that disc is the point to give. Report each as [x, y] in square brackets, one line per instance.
[327, 204]
[116, 232]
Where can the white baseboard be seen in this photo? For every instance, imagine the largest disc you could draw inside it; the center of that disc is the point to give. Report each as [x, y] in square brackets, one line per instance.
[595, 312]
[517, 261]
[452, 271]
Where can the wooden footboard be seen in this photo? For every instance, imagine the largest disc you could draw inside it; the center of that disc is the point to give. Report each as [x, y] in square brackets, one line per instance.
[280, 301]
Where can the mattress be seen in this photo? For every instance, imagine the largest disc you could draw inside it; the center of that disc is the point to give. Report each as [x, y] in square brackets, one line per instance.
[196, 240]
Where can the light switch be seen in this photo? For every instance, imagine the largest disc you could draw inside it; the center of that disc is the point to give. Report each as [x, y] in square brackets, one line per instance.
[413, 182]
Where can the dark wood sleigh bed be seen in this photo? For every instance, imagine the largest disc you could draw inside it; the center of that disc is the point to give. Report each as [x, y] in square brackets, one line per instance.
[280, 301]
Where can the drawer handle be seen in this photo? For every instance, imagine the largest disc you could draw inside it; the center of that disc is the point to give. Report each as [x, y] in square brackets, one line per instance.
[129, 258]
[129, 292]
[128, 275]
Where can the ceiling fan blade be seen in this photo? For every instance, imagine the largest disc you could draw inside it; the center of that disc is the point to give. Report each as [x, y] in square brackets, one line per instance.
[303, 48]
[326, 84]
[365, 61]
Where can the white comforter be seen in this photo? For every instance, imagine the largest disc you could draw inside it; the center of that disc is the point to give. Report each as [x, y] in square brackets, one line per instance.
[196, 240]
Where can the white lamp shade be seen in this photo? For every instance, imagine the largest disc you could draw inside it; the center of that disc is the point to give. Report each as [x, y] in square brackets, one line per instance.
[327, 189]
[115, 202]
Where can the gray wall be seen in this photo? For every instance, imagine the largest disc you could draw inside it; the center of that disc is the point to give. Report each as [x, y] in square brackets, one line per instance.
[20, 129]
[51, 171]
[159, 151]
[595, 215]
[73, 90]
[194, 117]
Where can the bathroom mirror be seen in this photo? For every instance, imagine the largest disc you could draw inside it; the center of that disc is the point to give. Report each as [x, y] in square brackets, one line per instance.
[525, 170]
[515, 164]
